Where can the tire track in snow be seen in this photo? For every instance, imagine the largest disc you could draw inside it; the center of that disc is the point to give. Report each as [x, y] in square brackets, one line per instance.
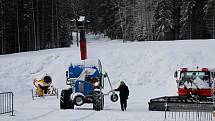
[84, 117]
[89, 114]
[46, 61]
[43, 115]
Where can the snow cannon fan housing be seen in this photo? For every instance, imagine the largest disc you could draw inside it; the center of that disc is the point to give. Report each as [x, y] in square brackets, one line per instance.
[43, 88]
[47, 79]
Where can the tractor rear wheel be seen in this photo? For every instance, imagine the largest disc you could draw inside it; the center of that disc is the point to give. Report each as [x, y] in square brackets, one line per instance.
[65, 101]
[98, 101]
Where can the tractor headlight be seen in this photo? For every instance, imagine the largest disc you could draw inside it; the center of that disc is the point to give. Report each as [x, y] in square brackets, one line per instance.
[96, 84]
[69, 81]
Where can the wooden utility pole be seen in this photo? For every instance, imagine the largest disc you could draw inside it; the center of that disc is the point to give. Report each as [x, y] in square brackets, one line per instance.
[37, 26]
[213, 27]
[52, 41]
[2, 22]
[34, 31]
[2, 38]
[2, 28]
[190, 30]
[17, 23]
[76, 30]
[75, 8]
[57, 29]
[120, 17]
[146, 20]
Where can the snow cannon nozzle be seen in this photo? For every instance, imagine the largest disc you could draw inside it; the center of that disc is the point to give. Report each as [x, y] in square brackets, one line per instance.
[47, 79]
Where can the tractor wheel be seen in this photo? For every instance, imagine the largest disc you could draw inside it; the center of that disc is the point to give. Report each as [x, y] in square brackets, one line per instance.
[65, 102]
[114, 97]
[98, 102]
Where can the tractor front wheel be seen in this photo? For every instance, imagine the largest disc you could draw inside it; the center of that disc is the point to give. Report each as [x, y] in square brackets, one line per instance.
[65, 101]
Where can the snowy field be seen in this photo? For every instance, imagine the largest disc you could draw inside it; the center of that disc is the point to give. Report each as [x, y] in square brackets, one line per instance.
[146, 67]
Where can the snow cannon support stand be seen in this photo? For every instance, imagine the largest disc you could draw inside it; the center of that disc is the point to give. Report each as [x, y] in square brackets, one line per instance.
[43, 88]
[86, 84]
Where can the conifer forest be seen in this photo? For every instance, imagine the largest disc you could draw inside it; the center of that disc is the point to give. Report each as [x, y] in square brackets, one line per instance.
[30, 25]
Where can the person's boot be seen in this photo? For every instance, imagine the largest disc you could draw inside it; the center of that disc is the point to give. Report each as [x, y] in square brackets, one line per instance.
[122, 108]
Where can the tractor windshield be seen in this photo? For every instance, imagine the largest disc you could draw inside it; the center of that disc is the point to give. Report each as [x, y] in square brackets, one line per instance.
[195, 79]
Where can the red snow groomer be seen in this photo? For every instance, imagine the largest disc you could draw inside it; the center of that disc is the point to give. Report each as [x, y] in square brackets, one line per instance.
[195, 90]
[195, 82]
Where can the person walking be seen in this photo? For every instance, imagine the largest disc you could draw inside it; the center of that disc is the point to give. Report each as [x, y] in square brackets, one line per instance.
[123, 94]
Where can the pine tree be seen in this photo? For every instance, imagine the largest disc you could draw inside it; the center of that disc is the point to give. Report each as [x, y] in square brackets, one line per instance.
[64, 16]
[139, 18]
[186, 19]
[164, 21]
[192, 12]
[210, 18]
[176, 18]
[125, 13]
[144, 19]
[10, 26]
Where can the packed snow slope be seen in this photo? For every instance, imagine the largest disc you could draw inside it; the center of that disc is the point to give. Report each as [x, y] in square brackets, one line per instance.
[146, 67]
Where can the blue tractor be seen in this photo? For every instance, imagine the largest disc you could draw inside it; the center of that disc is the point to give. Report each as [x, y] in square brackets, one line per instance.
[86, 82]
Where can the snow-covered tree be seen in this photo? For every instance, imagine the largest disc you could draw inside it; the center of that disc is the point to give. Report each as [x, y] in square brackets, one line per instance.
[210, 18]
[140, 19]
[164, 21]
[125, 14]
[192, 19]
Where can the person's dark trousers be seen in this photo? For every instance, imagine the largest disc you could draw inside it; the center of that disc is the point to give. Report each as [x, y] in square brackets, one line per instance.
[123, 103]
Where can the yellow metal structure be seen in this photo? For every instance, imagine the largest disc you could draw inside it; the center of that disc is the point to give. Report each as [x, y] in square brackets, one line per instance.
[40, 86]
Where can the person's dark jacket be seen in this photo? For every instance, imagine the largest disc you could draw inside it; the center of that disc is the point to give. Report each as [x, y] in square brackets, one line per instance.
[123, 91]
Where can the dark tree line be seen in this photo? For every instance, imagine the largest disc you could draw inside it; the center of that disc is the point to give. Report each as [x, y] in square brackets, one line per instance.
[27, 25]
[188, 19]
[154, 19]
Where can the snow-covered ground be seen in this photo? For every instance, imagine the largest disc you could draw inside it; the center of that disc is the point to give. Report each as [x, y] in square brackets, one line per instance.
[146, 67]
